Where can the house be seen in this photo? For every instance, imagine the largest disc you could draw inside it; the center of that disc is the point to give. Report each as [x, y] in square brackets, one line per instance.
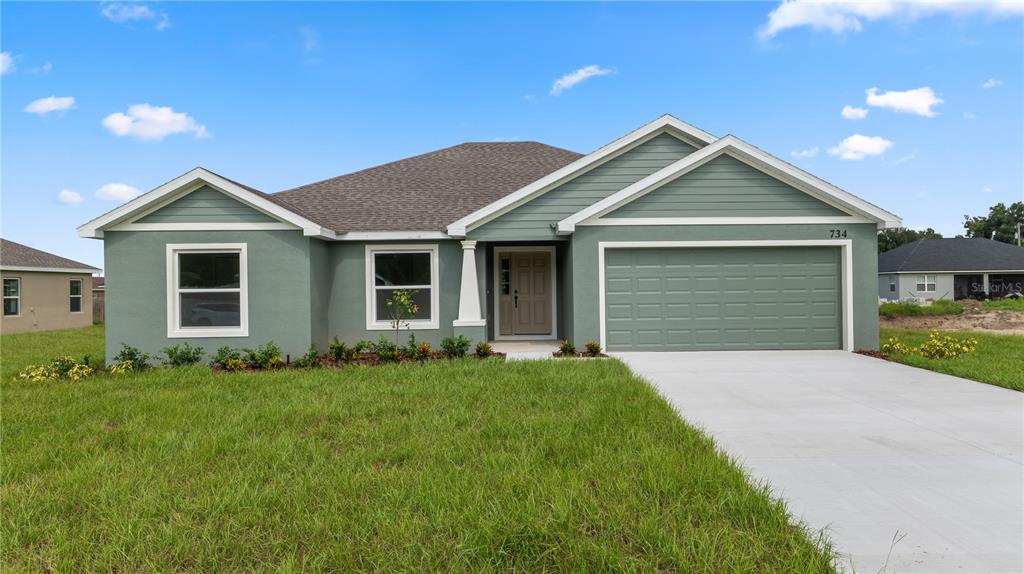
[957, 268]
[667, 238]
[99, 298]
[42, 291]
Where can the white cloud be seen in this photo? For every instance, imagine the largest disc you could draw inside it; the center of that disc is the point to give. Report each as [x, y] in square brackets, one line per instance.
[854, 113]
[122, 12]
[310, 39]
[909, 157]
[6, 63]
[146, 122]
[991, 83]
[918, 101]
[858, 147]
[987, 189]
[68, 196]
[117, 192]
[804, 153]
[839, 16]
[970, 115]
[43, 106]
[571, 79]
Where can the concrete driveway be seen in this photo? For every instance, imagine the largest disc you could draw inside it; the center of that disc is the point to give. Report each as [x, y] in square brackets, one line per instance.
[867, 449]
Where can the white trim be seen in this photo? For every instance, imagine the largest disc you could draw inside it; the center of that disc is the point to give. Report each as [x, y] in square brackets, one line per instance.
[750, 155]
[226, 226]
[372, 324]
[88, 271]
[390, 235]
[846, 255]
[81, 295]
[664, 124]
[17, 297]
[999, 271]
[498, 250]
[645, 221]
[174, 328]
[469, 291]
[187, 182]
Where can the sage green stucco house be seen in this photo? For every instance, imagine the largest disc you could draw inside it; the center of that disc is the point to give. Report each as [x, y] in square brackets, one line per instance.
[667, 238]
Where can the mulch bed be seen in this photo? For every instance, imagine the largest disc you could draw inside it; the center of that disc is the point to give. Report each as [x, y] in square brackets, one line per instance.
[368, 359]
[560, 355]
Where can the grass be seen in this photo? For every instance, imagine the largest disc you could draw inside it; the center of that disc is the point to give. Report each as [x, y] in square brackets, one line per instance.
[466, 466]
[23, 349]
[940, 307]
[1005, 304]
[997, 360]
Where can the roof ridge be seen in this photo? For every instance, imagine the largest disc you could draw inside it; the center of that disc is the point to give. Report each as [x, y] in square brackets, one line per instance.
[917, 244]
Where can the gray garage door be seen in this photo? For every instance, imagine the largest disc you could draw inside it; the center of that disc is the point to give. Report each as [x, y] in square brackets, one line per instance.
[682, 299]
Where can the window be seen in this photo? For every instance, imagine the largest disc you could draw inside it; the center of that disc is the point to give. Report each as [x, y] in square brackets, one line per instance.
[505, 277]
[892, 284]
[12, 296]
[75, 289]
[207, 290]
[393, 267]
[926, 283]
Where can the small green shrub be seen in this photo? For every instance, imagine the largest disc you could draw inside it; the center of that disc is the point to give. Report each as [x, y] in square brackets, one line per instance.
[363, 346]
[907, 309]
[387, 351]
[260, 357]
[224, 355]
[567, 348]
[484, 349]
[234, 364]
[593, 348]
[936, 347]
[455, 348]
[63, 367]
[310, 360]
[139, 360]
[182, 355]
[339, 352]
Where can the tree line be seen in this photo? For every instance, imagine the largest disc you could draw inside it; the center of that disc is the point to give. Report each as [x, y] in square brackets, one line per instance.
[1000, 224]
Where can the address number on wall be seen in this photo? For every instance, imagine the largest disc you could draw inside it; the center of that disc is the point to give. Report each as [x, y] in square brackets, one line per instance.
[837, 233]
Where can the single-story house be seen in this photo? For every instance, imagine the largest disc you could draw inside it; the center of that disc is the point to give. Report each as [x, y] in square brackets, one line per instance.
[42, 291]
[955, 268]
[667, 238]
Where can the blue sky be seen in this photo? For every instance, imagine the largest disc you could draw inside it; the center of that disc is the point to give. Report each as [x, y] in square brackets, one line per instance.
[278, 95]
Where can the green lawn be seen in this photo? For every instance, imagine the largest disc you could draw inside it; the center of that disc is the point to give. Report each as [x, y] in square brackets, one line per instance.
[940, 307]
[998, 359]
[1005, 304]
[469, 466]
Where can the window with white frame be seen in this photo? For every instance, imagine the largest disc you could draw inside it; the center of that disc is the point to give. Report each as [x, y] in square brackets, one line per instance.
[12, 296]
[926, 283]
[75, 289]
[413, 268]
[207, 290]
[892, 284]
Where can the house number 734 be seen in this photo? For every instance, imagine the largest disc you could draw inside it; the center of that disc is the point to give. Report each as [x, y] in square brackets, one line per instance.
[836, 233]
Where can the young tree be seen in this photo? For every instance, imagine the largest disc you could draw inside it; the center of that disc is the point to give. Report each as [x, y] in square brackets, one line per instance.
[400, 308]
[890, 239]
[1000, 223]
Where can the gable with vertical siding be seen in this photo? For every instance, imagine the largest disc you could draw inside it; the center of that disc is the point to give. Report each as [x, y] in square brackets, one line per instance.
[533, 219]
[725, 187]
[206, 205]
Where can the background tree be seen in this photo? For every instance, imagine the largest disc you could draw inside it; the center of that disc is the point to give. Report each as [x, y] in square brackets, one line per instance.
[890, 239]
[1000, 223]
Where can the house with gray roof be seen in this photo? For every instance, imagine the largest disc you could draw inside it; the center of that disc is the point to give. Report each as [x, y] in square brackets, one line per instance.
[43, 291]
[955, 268]
[667, 238]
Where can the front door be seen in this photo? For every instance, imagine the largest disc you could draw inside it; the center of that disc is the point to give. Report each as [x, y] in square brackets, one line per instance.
[525, 293]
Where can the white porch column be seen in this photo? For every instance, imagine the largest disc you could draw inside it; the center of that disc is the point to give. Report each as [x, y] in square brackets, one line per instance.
[469, 294]
[984, 283]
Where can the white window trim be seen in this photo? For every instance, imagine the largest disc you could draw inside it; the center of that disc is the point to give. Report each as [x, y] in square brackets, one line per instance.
[81, 299]
[923, 280]
[498, 252]
[174, 328]
[372, 324]
[892, 284]
[18, 296]
[846, 259]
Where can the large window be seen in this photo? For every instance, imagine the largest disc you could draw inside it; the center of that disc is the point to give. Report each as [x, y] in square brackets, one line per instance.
[926, 283]
[76, 295]
[409, 267]
[12, 296]
[207, 290]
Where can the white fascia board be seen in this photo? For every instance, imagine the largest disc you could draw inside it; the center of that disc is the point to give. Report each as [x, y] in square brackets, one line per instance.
[391, 235]
[749, 155]
[94, 229]
[23, 268]
[990, 271]
[666, 123]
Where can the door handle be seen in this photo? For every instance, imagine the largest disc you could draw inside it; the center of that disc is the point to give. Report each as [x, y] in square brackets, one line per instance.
[515, 298]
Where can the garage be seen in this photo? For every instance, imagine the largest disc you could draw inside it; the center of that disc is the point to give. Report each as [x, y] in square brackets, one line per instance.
[694, 298]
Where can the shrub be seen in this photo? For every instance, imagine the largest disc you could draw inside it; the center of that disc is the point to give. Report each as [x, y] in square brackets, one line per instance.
[276, 363]
[907, 309]
[455, 348]
[342, 353]
[363, 346]
[387, 351]
[936, 347]
[36, 373]
[311, 360]
[122, 368]
[593, 348]
[234, 364]
[567, 348]
[484, 349]
[224, 355]
[182, 355]
[260, 357]
[139, 360]
[63, 367]
[422, 352]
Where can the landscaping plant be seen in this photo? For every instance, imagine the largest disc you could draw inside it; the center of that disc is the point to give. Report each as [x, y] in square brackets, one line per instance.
[455, 348]
[400, 308]
[310, 360]
[339, 352]
[182, 355]
[225, 356]
[566, 348]
[387, 351]
[63, 367]
[262, 357]
[935, 347]
[131, 359]
[484, 349]
[593, 349]
[422, 352]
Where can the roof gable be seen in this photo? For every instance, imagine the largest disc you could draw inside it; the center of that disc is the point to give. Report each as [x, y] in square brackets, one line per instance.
[204, 204]
[952, 254]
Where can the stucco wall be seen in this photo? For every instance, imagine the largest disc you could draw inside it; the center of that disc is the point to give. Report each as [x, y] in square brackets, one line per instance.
[46, 302]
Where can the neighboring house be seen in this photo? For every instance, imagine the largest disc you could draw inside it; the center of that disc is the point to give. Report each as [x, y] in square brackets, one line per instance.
[958, 268]
[99, 299]
[43, 291]
[667, 238]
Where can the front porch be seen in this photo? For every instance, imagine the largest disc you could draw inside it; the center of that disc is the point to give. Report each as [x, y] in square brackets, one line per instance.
[518, 350]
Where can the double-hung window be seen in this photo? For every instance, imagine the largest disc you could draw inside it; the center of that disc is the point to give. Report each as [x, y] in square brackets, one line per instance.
[12, 296]
[207, 290]
[892, 284]
[75, 288]
[926, 283]
[390, 268]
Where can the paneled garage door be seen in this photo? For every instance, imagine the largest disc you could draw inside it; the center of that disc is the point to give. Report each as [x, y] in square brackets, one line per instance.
[722, 298]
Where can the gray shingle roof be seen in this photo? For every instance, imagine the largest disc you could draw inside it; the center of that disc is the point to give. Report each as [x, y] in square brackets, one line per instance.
[17, 255]
[425, 192]
[956, 254]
